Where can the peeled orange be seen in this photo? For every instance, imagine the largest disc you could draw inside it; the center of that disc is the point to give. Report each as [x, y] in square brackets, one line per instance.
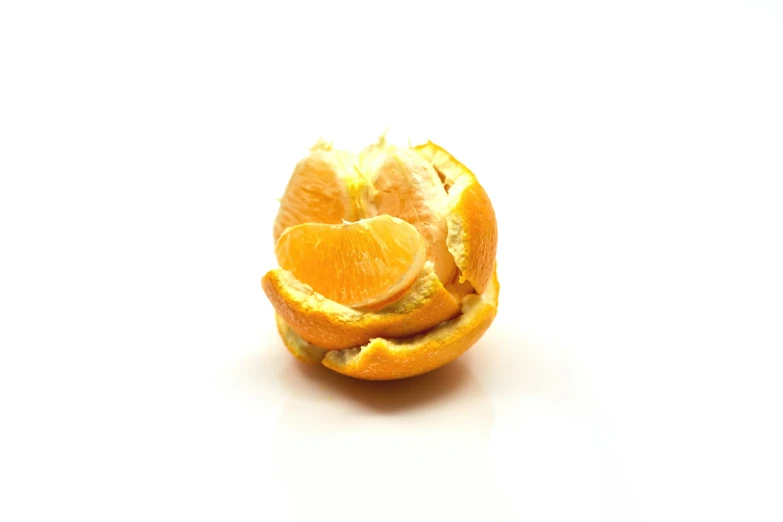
[387, 260]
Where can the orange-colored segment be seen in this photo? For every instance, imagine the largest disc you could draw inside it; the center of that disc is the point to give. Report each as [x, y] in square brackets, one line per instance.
[355, 264]
[388, 260]
[318, 191]
[407, 187]
[473, 232]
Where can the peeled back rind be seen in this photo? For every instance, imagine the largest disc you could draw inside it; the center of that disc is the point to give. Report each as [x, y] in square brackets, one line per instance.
[473, 229]
[304, 351]
[331, 325]
[473, 232]
[385, 359]
[372, 157]
[357, 264]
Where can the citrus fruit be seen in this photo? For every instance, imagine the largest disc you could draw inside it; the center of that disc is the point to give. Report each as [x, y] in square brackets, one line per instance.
[387, 260]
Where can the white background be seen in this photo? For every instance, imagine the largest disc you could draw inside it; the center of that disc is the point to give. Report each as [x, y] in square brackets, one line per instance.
[634, 155]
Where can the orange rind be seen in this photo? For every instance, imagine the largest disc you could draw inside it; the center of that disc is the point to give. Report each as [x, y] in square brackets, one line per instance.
[389, 358]
[472, 226]
[357, 264]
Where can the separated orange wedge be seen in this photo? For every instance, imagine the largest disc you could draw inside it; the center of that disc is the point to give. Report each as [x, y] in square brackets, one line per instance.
[356, 264]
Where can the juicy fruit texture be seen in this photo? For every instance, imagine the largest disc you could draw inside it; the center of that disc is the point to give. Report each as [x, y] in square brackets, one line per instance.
[387, 260]
[409, 188]
[355, 264]
[321, 190]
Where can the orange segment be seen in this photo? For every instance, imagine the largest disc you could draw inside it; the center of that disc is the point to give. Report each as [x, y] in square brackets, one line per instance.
[319, 191]
[355, 264]
[408, 188]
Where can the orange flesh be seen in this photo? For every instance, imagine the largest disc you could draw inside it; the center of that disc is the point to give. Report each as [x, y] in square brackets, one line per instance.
[317, 192]
[356, 264]
[409, 188]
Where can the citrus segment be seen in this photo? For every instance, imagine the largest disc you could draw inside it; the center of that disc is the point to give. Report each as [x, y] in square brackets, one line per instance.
[405, 186]
[356, 264]
[331, 325]
[319, 191]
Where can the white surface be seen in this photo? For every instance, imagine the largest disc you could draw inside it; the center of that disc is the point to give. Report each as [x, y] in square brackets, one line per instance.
[634, 155]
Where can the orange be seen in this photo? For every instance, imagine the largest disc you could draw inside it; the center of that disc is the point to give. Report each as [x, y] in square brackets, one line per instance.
[355, 264]
[387, 260]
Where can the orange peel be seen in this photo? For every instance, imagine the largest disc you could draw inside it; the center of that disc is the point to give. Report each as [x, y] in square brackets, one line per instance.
[386, 359]
[331, 325]
[472, 225]
[357, 264]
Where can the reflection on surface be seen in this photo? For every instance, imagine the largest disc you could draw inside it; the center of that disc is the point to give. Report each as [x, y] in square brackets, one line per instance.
[314, 383]
[379, 448]
[503, 433]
